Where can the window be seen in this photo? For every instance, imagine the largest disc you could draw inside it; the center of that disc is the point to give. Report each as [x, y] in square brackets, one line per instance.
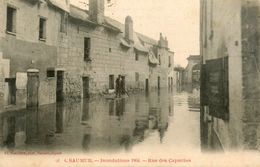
[11, 90]
[159, 59]
[136, 76]
[50, 72]
[111, 81]
[170, 64]
[215, 81]
[11, 20]
[136, 56]
[86, 49]
[42, 29]
[110, 50]
[64, 22]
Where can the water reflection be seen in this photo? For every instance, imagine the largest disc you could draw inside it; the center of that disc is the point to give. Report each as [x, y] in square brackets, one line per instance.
[92, 125]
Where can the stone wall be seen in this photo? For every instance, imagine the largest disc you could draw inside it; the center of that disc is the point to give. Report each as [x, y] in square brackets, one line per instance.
[188, 70]
[251, 80]
[27, 21]
[107, 58]
[219, 39]
[24, 50]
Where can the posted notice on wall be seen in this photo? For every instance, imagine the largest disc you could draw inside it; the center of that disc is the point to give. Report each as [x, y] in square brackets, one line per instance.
[21, 80]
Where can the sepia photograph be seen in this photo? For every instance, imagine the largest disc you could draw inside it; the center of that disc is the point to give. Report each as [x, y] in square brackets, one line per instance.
[125, 83]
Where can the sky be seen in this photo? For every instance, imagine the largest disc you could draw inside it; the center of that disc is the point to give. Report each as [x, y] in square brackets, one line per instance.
[176, 19]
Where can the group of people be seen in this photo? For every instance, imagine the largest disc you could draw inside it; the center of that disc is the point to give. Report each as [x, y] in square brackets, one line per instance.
[120, 86]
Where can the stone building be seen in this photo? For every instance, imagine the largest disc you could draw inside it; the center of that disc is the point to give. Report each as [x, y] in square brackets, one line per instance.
[96, 49]
[230, 74]
[193, 62]
[28, 40]
[59, 50]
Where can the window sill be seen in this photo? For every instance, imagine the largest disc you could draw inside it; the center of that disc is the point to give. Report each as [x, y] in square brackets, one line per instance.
[88, 60]
[42, 39]
[10, 33]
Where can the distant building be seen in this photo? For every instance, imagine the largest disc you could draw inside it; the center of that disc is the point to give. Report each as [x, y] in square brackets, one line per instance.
[191, 70]
[180, 74]
[99, 49]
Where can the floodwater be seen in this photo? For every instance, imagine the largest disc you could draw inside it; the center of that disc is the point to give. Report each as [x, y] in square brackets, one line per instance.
[165, 120]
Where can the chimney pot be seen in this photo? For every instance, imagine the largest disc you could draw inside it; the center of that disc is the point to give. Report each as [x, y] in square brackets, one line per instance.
[129, 30]
[97, 10]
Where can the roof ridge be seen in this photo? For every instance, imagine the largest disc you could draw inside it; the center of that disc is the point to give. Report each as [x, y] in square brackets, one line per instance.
[140, 36]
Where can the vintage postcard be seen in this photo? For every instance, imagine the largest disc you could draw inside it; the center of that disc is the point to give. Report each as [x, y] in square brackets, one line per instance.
[127, 83]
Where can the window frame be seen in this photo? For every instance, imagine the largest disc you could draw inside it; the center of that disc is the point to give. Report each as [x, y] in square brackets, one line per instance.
[13, 21]
[137, 77]
[111, 82]
[87, 49]
[44, 29]
[170, 63]
[52, 70]
[64, 22]
[136, 56]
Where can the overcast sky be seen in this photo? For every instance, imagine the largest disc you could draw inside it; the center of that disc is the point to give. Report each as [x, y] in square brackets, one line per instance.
[177, 19]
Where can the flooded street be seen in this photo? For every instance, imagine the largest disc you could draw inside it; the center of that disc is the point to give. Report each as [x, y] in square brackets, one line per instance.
[139, 123]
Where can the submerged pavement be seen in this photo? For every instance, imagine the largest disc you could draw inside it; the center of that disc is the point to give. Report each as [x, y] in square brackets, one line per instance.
[158, 122]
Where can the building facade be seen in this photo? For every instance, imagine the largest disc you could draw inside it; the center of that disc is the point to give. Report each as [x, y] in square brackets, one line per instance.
[230, 74]
[100, 48]
[29, 40]
[192, 69]
[51, 50]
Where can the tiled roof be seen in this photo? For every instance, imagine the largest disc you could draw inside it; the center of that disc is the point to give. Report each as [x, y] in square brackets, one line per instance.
[147, 39]
[62, 4]
[152, 58]
[78, 13]
[194, 57]
[82, 14]
[125, 43]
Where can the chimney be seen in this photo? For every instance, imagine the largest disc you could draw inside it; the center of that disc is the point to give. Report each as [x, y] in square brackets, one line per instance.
[129, 30]
[96, 10]
[161, 40]
[166, 42]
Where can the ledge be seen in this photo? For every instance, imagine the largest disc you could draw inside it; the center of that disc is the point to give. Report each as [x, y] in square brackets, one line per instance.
[10, 33]
[42, 39]
[87, 60]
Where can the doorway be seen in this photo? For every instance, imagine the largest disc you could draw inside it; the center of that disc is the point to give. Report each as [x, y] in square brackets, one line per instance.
[59, 86]
[85, 81]
[146, 85]
[159, 83]
[33, 89]
[123, 84]
[11, 91]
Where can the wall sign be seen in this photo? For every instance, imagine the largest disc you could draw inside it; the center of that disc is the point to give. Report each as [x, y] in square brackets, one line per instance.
[21, 80]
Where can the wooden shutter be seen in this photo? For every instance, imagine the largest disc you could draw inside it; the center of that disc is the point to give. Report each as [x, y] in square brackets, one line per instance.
[217, 87]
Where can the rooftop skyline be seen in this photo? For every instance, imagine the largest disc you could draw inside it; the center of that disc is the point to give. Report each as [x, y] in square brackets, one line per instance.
[151, 17]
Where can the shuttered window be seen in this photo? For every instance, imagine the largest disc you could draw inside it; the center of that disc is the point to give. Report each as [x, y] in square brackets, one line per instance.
[216, 78]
